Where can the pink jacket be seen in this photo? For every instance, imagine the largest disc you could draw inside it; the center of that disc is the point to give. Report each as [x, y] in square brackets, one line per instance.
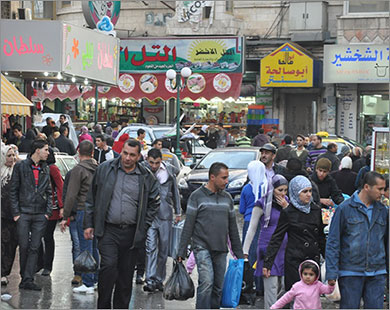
[306, 296]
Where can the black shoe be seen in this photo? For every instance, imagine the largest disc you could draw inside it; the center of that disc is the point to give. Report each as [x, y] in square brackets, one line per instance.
[149, 288]
[21, 285]
[32, 286]
[139, 280]
[160, 286]
[46, 272]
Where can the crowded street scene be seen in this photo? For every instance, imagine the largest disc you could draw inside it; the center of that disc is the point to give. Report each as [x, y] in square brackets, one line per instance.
[195, 154]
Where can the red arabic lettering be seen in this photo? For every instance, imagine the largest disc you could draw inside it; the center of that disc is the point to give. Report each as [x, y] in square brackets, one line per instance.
[23, 49]
[158, 57]
[126, 52]
[104, 58]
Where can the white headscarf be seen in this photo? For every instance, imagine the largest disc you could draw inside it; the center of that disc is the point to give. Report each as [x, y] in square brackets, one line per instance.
[346, 163]
[257, 177]
[6, 172]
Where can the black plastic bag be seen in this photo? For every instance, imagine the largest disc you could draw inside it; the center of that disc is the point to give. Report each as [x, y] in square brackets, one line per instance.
[248, 296]
[179, 285]
[85, 263]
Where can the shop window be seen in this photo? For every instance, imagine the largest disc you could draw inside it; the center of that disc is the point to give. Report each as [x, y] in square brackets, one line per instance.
[375, 113]
[206, 11]
[43, 10]
[66, 4]
[229, 6]
[367, 6]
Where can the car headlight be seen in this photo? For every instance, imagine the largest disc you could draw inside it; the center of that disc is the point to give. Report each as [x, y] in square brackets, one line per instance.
[182, 184]
[237, 183]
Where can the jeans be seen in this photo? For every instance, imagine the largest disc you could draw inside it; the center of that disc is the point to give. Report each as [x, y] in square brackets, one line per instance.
[117, 264]
[31, 228]
[85, 245]
[253, 252]
[46, 250]
[353, 288]
[75, 242]
[211, 270]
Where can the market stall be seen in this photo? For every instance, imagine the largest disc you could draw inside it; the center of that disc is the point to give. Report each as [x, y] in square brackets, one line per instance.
[380, 155]
[12, 101]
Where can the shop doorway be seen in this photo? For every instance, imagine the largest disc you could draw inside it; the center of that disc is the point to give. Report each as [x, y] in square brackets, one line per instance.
[299, 114]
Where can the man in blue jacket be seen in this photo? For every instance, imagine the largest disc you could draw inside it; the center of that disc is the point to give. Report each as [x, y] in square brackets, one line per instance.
[357, 246]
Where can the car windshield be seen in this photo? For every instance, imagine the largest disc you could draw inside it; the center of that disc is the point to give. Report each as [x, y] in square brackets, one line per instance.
[133, 134]
[161, 132]
[339, 145]
[232, 159]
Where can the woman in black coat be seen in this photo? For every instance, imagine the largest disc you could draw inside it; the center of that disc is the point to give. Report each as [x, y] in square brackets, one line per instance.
[302, 221]
[345, 178]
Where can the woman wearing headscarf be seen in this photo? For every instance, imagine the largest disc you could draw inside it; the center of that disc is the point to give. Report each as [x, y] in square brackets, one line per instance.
[345, 178]
[302, 221]
[267, 214]
[84, 135]
[9, 236]
[255, 189]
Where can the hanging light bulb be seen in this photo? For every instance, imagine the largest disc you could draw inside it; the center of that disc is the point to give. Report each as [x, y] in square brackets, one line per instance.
[59, 76]
[86, 82]
[46, 73]
[73, 79]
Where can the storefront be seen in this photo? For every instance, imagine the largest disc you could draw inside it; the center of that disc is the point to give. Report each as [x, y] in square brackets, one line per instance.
[58, 60]
[361, 77]
[295, 76]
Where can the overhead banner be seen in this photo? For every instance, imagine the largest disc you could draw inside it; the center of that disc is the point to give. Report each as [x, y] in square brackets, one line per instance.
[156, 85]
[356, 63]
[289, 66]
[200, 54]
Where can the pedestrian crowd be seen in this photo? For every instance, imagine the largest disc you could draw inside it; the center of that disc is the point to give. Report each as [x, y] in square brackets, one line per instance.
[305, 209]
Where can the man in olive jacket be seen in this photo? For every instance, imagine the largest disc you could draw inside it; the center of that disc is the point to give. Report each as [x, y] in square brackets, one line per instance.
[122, 203]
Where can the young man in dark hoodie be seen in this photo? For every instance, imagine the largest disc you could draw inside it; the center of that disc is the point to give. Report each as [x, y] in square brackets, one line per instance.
[78, 185]
[330, 194]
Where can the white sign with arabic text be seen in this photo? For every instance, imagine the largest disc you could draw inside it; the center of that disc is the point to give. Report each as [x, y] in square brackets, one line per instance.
[358, 63]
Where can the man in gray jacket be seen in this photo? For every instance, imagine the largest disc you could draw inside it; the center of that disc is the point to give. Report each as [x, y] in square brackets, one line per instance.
[121, 205]
[157, 240]
[210, 219]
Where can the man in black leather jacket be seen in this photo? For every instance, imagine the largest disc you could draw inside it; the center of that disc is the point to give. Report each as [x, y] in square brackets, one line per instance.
[121, 204]
[31, 203]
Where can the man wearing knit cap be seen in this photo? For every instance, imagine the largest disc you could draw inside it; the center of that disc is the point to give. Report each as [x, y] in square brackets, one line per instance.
[330, 194]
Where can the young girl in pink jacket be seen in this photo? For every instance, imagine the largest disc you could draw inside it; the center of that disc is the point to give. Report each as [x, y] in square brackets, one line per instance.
[306, 292]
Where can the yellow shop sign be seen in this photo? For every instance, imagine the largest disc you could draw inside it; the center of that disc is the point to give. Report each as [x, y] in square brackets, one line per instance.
[287, 66]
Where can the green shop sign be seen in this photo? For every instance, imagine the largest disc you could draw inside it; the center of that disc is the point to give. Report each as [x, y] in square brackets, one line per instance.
[205, 54]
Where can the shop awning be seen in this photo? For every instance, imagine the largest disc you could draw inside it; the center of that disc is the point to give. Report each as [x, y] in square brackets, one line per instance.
[12, 101]
[156, 86]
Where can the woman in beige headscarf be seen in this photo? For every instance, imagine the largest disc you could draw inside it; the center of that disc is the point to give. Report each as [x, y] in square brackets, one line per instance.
[9, 236]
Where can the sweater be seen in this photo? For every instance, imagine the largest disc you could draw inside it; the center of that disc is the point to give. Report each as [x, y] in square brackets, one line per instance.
[210, 219]
[313, 155]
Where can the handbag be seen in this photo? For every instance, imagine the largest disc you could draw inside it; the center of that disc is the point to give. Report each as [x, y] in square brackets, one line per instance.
[232, 284]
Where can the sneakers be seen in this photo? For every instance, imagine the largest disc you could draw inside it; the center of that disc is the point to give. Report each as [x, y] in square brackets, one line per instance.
[149, 288]
[139, 280]
[84, 290]
[76, 280]
[46, 272]
[30, 286]
[160, 286]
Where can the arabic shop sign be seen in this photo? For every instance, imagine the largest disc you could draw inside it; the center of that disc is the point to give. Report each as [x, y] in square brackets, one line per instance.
[206, 54]
[24, 48]
[288, 66]
[356, 64]
[90, 54]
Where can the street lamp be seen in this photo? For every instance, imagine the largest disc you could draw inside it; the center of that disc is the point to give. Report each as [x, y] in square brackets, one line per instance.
[171, 75]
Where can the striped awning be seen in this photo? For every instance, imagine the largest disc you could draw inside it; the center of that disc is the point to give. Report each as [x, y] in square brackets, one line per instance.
[12, 100]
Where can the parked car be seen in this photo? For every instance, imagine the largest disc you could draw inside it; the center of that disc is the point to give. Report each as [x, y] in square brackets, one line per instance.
[339, 140]
[237, 159]
[56, 117]
[152, 132]
[64, 162]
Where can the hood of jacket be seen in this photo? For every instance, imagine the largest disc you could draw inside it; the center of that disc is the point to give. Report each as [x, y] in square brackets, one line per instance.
[89, 164]
[313, 262]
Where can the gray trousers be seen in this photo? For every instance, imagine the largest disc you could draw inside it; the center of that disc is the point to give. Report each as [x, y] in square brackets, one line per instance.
[157, 247]
[273, 289]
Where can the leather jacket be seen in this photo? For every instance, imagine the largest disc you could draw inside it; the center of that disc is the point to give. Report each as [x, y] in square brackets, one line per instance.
[25, 196]
[100, 195]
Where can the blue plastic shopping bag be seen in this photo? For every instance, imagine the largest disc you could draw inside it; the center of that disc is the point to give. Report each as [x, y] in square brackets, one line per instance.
[232, 284]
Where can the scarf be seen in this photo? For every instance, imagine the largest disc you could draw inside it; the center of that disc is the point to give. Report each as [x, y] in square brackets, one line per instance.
[296, 186]
[257, 177]
[346, 163]
[6, 172]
